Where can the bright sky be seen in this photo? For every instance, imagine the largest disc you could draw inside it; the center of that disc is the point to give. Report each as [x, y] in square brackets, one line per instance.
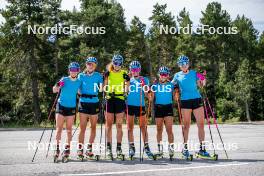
[252, 9]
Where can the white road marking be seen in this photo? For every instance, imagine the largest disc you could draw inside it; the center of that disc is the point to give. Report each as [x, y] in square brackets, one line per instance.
[156, 170]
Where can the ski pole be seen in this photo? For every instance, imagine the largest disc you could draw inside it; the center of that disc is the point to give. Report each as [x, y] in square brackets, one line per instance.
[208, 122]
[180, 114]
[216, 125]
[52, 108]
[101, 120]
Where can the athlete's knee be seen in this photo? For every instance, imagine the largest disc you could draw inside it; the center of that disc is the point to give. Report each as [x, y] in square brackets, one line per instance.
[119, 125]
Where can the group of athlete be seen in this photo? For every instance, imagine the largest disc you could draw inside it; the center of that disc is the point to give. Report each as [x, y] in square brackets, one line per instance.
[128, 101]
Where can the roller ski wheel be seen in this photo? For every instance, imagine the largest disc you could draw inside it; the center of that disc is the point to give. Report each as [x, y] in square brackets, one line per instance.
[80, 157]
[171, 156]
[159, 155]
[110, 157]
[210, 157]
[65, 159]
[120, 157]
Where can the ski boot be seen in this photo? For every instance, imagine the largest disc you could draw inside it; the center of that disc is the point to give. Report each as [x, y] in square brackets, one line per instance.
[186, 155]
[205, 155]
[66, 154]
[160, 151]
[171, 151]
[132, 151]
[56, 155]
[119, 154]
[109, 153]
[149, 154]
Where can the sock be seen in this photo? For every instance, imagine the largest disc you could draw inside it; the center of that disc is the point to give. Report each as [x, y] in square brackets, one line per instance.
[118, 146]
[160, 147]
[202, 147]
[109, 145]
[185, 146]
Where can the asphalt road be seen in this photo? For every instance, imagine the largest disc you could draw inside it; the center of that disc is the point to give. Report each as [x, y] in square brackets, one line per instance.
[245, 144]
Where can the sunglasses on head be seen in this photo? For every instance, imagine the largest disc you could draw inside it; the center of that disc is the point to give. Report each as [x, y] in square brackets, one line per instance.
[74, 69]
[135, 70]
[164, 74]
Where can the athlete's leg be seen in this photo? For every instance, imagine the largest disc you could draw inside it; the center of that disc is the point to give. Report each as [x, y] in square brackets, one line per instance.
[168, 125]
[119, 122]
[83, 124]
[186, 115]
[59, 127]
[199, 116]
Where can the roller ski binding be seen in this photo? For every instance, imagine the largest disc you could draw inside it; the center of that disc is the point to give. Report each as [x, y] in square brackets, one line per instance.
[160, 151]
[90, 155]
[203, 154]
[56, 155]
[66, 155]
[186, 155]
[132, 151]
[149, 154]
[80, 155]
[120, 155]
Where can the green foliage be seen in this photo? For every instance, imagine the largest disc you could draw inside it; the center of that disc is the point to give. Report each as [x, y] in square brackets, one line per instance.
[30, 64]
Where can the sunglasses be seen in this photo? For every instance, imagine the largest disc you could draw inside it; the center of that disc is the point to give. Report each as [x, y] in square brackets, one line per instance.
[164, 74]
[116, 63]
[74, 70]
[90, 63]
[181, 64]
[135, 70]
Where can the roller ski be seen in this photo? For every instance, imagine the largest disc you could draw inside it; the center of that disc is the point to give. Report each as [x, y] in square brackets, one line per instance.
[66, 155]
[149, 154]
[90, 155]
[186, 155]
[120, 155]
[56, 155]
[203, 154]
[132, 152]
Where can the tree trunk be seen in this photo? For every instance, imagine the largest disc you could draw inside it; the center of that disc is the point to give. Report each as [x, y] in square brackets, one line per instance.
[247, 111]
[34, 81]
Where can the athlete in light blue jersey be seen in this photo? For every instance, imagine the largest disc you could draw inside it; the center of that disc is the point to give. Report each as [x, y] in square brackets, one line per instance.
[66, 106]
[89, 104]
[188, 82]
[163, 92]
[139, 88]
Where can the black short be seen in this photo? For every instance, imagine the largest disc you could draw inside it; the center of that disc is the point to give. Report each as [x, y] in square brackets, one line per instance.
[135, 110]
[163, 110]
[65, 111]
[115, 105]
[89, 108]
[192, 103]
